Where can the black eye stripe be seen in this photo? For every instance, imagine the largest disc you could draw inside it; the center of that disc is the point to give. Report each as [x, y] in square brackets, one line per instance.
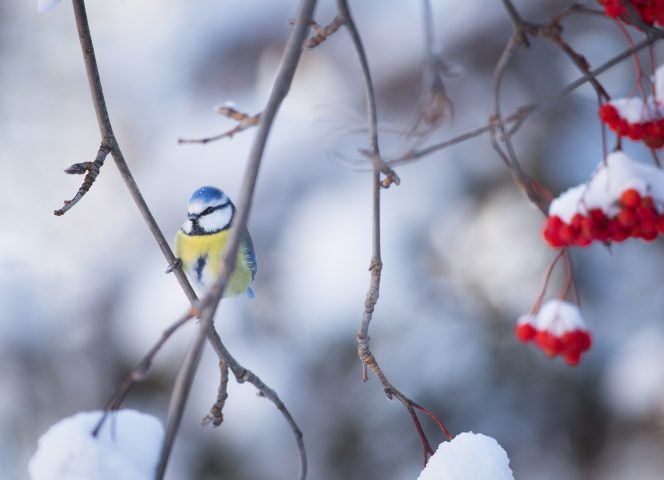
[209, 210]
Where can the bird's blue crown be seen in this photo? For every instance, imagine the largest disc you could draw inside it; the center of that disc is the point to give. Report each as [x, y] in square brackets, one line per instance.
[207, 195]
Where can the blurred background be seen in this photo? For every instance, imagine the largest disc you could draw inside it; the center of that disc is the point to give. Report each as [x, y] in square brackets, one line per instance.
[84, 296]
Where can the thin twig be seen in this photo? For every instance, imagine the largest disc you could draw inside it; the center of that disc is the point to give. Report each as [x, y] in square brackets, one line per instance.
[244, 120]
[323, 33]
[363, 347]
[519, 32]
[141, 370]
[92, 169]
[516, 118]
[436, 102]
[216, 415]
[536, 193]
[280, 88]
[370, 98]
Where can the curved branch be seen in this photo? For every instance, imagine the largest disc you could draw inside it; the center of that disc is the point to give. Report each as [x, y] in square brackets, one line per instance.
[377, 166]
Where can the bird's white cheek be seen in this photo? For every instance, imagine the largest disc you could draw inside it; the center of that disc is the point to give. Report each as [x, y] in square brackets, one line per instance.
[216, 220]
[187, 226]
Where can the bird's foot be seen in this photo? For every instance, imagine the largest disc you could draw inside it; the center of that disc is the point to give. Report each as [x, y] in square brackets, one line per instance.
[174, 266]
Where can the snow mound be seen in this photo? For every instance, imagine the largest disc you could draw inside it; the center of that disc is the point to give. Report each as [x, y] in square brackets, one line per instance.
[469, 456]
[126, 448]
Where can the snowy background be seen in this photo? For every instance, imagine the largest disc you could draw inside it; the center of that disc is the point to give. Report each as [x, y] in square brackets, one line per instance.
[83, 297]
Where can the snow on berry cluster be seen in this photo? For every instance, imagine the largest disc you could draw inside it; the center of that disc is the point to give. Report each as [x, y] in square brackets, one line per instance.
[651, 11]
[557, 329]
[623, 199]
[636, 118]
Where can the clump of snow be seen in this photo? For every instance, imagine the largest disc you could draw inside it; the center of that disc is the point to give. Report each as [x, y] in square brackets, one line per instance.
[607, 183]
[126, 448]
[43, 6]
[469, 456]
[659, 82]
[635, 110]
[559, 317]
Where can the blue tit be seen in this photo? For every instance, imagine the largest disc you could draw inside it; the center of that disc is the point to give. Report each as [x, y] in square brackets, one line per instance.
[200, 243]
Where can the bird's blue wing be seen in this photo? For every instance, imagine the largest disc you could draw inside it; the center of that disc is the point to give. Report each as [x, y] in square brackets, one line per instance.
[247, 248]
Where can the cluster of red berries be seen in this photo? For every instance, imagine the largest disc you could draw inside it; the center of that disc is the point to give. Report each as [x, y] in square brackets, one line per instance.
[651, 11]
[637, 218]
[571, 344]
[651, 132]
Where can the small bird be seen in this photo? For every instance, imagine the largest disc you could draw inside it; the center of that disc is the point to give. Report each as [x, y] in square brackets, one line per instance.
[200, 243]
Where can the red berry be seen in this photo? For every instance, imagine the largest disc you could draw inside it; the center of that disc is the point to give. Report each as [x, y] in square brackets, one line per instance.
[584, 240]
[627, 217]
[616, 232]
[572, 358]
[649, 235]
[608, 113]
[635, 131]
[577, 341]
[654, 142]
[588, 227]
[549, 343]
[630, 198]
[567, 234]
[525, 332]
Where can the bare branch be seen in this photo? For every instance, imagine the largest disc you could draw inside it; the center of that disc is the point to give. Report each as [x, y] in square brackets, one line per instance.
[211, 300]
[109, 139]
[377, 166]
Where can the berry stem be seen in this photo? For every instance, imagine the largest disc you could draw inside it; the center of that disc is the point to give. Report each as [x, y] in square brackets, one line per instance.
[545, 282]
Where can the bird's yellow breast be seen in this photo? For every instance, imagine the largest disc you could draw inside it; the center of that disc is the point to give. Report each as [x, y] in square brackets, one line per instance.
[201, 256]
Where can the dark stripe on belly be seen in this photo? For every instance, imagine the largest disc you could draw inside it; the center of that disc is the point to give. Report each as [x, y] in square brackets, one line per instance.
[198, 268]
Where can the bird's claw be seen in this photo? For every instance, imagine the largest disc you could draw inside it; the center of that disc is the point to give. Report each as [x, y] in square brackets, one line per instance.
[174, 266]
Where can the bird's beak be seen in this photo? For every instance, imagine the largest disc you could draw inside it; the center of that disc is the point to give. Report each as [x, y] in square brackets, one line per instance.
[192, 216]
